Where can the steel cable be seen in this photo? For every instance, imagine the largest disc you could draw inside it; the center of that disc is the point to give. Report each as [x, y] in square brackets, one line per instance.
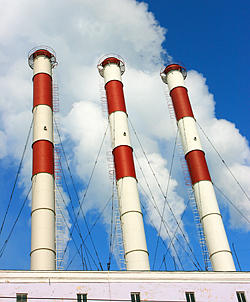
[164, 206]
[223, 161]
[88, 184]
[14, 224]
[178, 225]
[16, 178]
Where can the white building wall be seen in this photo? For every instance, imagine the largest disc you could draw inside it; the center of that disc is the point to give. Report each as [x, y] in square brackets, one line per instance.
[152, 286]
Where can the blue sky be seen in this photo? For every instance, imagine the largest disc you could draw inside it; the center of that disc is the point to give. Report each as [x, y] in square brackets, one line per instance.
[210, 39]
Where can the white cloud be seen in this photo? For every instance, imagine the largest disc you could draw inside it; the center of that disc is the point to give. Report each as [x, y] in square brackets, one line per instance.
[3, 146]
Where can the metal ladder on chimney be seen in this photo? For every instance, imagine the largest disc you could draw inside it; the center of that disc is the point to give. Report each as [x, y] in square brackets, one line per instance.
[118, 249]
[60, 208]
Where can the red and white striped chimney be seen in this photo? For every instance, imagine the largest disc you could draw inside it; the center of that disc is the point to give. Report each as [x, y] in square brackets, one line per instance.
[43, 255]
[134, 241]
[215, 235]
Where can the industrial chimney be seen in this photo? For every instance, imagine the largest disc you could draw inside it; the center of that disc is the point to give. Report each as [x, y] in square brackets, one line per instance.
[136, 254]
[43, 255]
[215, 235]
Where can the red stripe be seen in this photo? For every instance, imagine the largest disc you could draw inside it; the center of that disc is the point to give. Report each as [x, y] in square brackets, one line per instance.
[42, 90]
[197, 166]
[175, 67]
[124, 163]
[181, 102]
[110, 61]
[43, 157]
[115, 96]
[42, 52]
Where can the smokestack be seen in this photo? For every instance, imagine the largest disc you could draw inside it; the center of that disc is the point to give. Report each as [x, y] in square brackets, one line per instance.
[219, 251]
[134, 241]
[43, 255]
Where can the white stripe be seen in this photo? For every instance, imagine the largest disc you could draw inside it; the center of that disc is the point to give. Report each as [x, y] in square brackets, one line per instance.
[223, 261]
[43, 223]
[43, 123]
[119, 129]
[174, 79]
[189, 134]
[135, 246]
[43, 191]
[213, 227]
[128, 192]
[45, 259]
[136, 260]
[42, 64]
[205, 198]
[111, 72]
